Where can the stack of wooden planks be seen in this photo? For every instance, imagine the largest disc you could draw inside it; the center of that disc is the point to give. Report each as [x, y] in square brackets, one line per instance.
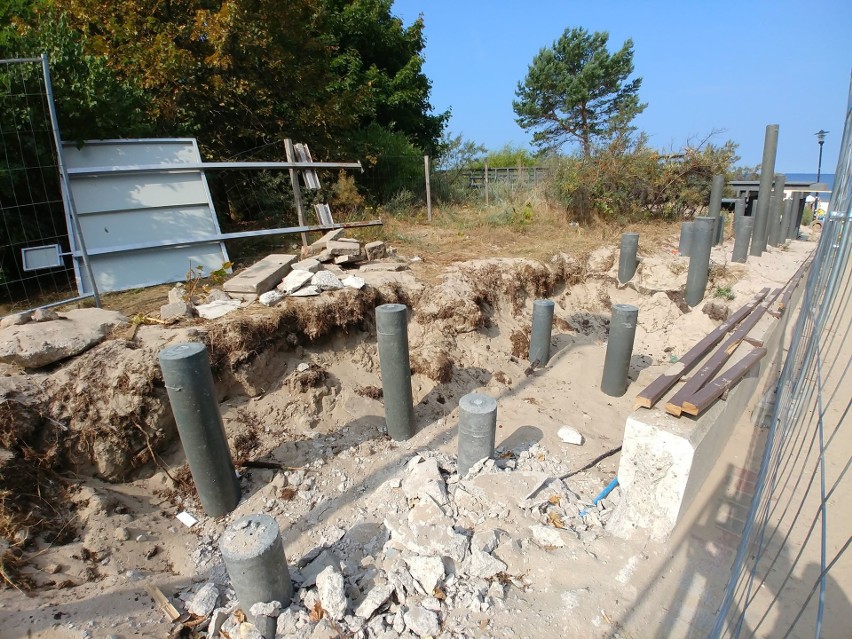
[709, 383]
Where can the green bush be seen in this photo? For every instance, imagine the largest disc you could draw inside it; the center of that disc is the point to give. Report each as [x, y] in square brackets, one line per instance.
[807, 216]
[627, 180]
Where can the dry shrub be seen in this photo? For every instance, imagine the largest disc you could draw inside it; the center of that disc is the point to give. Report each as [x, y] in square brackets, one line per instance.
[312, 377]
[520, 340]
[434, 364]
[373, 392]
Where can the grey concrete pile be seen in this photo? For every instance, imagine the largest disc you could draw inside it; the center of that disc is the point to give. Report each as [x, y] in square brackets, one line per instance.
[426, 558]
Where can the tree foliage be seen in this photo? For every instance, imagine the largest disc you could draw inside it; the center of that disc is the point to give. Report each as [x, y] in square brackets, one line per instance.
[575, 90]
[240, 75]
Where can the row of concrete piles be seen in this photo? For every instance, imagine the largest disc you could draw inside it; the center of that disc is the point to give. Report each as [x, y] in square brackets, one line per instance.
[252, 547]
[774, 219]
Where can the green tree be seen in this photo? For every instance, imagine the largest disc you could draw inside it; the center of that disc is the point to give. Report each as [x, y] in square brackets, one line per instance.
[576, 90]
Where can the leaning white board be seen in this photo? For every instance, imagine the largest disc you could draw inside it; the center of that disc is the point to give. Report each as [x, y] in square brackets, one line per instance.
[120, 214]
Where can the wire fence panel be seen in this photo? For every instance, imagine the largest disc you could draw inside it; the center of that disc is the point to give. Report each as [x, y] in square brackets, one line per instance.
[792, 566]
[35, 263]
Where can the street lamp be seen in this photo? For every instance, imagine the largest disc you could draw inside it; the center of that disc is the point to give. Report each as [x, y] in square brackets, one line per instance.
[821, 139]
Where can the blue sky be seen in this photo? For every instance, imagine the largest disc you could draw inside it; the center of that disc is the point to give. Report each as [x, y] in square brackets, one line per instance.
[735, 66]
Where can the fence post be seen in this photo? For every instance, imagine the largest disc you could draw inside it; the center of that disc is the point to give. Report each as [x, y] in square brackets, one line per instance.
[486, 183]
[743, 226]
[68, 196]
[542, 325]
[428, 189]
[686, 231]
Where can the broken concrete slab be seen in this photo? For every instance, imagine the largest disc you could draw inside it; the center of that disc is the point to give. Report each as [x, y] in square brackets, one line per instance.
[375, 598]
[348, 260]
[342, 247]
[36, 345]
[332, 594]
[570, 436]
[375, 250]
[205, 600]
[261, 276]
[271, 298]
[427, 571]
[176, 310]
[384, 267]
[319, 246]
[354, 281]
[310, 265]
[217, 308]
[307, 291]
[44, 315]
[294, 281]
[16, 319]
[326, 281]
[422, 622]
[217, 295]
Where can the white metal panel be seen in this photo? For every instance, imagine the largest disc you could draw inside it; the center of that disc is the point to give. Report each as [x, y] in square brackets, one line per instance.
[153, 266]
[142, 226]
[127, 192]
[129, 152]
[124, 211]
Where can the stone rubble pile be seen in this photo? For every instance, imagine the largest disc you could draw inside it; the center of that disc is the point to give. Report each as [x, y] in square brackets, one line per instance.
[277, 276]
[428, 552]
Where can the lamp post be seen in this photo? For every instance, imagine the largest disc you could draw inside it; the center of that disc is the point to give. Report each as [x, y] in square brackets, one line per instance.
[821, 139]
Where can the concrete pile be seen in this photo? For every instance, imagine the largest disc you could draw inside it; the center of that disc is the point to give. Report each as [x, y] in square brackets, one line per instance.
[426, 557]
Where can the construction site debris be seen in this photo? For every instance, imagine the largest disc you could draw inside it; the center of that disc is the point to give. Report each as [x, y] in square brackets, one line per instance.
[176, 310]
[570, 435]
[36, 345]
[260, 276]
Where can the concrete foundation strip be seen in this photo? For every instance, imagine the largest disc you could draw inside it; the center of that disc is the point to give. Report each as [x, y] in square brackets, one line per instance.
[707, 372]
[722, 384]
[660, 386]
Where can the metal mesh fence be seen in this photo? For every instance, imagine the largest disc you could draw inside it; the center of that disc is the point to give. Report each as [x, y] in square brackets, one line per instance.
[792, 566]
[32, 215]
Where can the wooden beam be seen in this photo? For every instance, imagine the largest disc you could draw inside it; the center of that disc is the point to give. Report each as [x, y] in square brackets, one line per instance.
[716, 362]
[721, 385]
[297, 191]
[660, 386]
[162, 602]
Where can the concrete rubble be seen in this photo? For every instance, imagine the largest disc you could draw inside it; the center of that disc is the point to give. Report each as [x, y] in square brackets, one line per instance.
[38, 344]
[446, 551]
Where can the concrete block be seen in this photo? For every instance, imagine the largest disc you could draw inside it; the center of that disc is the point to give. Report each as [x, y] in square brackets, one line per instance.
[318, 247]
[375, 250]
[342, 260]
[310, 265]
[175, 310]
[665, 461]
[343, 247]
[261, 276]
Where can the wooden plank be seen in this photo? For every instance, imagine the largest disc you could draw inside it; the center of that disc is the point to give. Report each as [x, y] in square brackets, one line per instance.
[722, 384]
[162, 602]
[297, 191]
[660, 386]
[716, 362]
